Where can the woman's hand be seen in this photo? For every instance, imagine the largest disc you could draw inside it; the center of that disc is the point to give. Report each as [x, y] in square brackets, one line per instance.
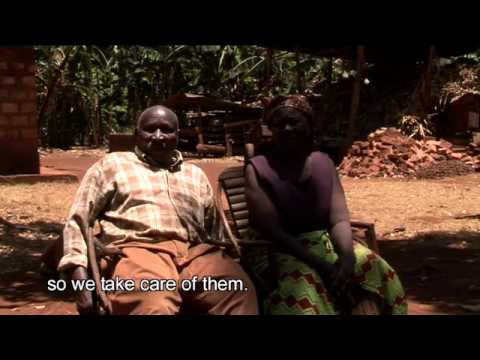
[325, 270]
[343, 272]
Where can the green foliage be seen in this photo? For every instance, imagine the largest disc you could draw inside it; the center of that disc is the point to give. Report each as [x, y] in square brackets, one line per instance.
[100, 90]
[93, 91]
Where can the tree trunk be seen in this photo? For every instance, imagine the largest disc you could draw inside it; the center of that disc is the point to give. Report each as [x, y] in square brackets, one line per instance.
[95, 125]
[101, 132]
[268, 71]
[427, 90]
[299, 73]
[98, 112]
[88, 136]
[51, 89]
[352, 125]
[329, 72]
[52, 137]
[110, 122]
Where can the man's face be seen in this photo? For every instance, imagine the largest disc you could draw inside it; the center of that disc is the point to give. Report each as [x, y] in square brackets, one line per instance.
[157, 132]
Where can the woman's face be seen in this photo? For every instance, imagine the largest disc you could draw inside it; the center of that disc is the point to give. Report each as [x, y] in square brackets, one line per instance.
[291, 128]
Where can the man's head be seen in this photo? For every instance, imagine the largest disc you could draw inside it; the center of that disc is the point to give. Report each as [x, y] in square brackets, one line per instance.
[157, 132]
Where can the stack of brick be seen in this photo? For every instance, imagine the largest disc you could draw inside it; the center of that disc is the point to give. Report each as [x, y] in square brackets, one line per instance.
[18, 112]
[388, 153]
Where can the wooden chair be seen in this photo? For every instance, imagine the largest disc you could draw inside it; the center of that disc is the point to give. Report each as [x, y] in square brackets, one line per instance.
[231, 184]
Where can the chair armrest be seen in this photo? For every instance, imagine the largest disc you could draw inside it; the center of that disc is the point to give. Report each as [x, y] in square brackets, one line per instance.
[103, 300]
[234, 241]
[370, 234]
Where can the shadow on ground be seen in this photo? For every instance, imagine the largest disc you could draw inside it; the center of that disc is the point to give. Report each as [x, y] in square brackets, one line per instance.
[21, 249]
[440, 269]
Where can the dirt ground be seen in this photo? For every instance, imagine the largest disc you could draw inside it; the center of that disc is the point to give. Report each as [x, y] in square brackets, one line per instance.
[428, 230]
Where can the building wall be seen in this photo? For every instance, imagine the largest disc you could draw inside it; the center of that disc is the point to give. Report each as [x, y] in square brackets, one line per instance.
[462, 111]
[18, 112]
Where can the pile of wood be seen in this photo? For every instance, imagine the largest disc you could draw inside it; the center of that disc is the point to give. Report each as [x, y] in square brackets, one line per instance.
[388, 153]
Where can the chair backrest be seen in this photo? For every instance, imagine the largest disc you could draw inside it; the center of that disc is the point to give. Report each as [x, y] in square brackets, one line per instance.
[232, 184]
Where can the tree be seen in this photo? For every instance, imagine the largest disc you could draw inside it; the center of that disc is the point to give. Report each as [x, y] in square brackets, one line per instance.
[87, 92]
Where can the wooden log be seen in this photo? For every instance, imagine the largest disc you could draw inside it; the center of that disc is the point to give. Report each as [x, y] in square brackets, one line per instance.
[408, 164]
[445, 144]
[430, 159]
[241, 123]
[216, 149]
[433, 142]
[365, 161]
[363, 144]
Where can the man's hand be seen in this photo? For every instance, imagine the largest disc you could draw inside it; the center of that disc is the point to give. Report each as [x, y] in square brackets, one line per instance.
[84, 301]
[84, 297]
[344, 270]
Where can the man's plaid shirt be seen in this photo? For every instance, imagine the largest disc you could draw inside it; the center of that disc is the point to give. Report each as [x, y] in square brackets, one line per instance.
[137, 202]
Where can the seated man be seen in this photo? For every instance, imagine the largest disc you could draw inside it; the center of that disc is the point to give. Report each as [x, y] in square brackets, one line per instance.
[161, 213]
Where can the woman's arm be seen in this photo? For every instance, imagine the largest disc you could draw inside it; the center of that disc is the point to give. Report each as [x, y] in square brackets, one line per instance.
[340, 229]
[341, 233]
[264, 218]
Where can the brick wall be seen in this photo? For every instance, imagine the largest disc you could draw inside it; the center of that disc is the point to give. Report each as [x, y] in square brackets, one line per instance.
[18, 112]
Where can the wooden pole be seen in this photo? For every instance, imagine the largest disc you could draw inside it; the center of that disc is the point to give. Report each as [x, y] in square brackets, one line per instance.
[428, 80]
[352, 124]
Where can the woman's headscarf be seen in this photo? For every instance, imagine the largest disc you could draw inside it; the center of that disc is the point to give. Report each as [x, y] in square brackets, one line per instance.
[297, 102]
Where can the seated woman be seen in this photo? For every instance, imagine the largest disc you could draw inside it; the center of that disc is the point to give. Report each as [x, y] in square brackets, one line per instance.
[297, 202]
